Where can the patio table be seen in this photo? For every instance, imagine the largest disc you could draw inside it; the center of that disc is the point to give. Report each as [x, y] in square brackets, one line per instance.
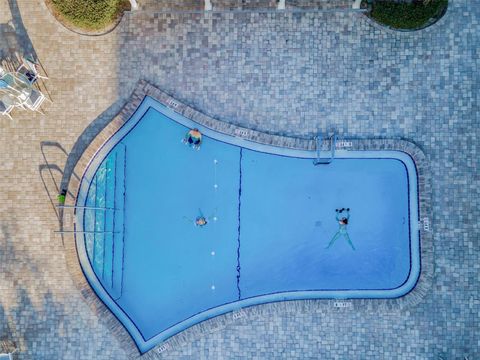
[18, 91]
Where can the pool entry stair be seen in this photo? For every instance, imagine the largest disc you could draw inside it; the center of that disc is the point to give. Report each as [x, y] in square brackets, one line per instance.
[104, 221]
[319, 160]
[249, 5]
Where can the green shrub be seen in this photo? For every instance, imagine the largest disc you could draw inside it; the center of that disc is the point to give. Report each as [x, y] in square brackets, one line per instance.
[407, 15]
[89, 14]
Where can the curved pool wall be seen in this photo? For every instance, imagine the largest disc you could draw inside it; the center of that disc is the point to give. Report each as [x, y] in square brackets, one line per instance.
[107, 282]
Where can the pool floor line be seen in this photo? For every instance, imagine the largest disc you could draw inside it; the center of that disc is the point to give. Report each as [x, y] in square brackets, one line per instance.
[239, 224]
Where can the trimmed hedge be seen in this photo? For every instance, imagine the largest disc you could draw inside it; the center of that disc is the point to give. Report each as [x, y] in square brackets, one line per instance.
[90, 14]
[407, 15]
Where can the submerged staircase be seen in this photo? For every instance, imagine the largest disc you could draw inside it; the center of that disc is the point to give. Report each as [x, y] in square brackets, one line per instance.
[104, 222]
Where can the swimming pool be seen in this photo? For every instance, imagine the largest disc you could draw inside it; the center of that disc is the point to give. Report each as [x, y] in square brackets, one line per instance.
[271, 216]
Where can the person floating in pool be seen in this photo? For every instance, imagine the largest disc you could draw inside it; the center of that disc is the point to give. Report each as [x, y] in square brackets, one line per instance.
[193, 138]
[201, 220]
[342, 219]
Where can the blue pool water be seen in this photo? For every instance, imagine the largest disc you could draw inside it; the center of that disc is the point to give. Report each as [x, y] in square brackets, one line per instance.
[271, 214]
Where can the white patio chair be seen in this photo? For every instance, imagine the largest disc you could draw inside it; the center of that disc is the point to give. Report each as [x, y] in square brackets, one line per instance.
[30, 75]
[35, 100]
[6, 110]
[7, 356]
[29, 68]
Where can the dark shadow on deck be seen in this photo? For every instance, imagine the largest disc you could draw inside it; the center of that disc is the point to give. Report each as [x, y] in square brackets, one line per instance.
[14, 37]
[90, 132]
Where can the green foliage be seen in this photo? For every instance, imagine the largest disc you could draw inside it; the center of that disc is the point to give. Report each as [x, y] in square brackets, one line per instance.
[89, 14]
[407, 15]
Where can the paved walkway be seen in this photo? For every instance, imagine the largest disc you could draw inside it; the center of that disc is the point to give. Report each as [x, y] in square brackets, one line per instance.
[287, 73]
[222, 5]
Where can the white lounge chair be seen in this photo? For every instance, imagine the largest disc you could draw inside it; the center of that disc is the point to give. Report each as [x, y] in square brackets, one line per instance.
[35, 100]
[29, 69]
[7, 356]
[6, 110]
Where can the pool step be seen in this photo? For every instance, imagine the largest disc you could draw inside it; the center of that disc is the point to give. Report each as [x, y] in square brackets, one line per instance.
[105, 246]
[319, 4]
[243, 4]
[171, 5]
[246, 5]
[119, 236]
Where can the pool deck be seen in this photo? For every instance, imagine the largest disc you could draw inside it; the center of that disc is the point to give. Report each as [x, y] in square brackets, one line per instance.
[281, 73]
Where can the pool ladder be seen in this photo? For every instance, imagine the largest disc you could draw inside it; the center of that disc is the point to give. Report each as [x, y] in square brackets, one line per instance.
[319, 141]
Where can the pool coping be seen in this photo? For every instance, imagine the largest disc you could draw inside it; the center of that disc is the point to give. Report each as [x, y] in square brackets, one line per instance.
[144, 89]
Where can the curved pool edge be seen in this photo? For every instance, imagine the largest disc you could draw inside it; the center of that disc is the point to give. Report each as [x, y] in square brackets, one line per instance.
[212, 318]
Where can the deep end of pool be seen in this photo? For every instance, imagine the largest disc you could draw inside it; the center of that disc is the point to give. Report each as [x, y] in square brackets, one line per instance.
[278, 227]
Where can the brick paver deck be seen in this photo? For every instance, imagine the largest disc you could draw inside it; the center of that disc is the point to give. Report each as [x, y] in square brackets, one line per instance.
[283, 73]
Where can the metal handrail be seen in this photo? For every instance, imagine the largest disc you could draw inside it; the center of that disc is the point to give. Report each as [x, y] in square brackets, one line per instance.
[319, 140]
[86, 232]
[86, 207]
